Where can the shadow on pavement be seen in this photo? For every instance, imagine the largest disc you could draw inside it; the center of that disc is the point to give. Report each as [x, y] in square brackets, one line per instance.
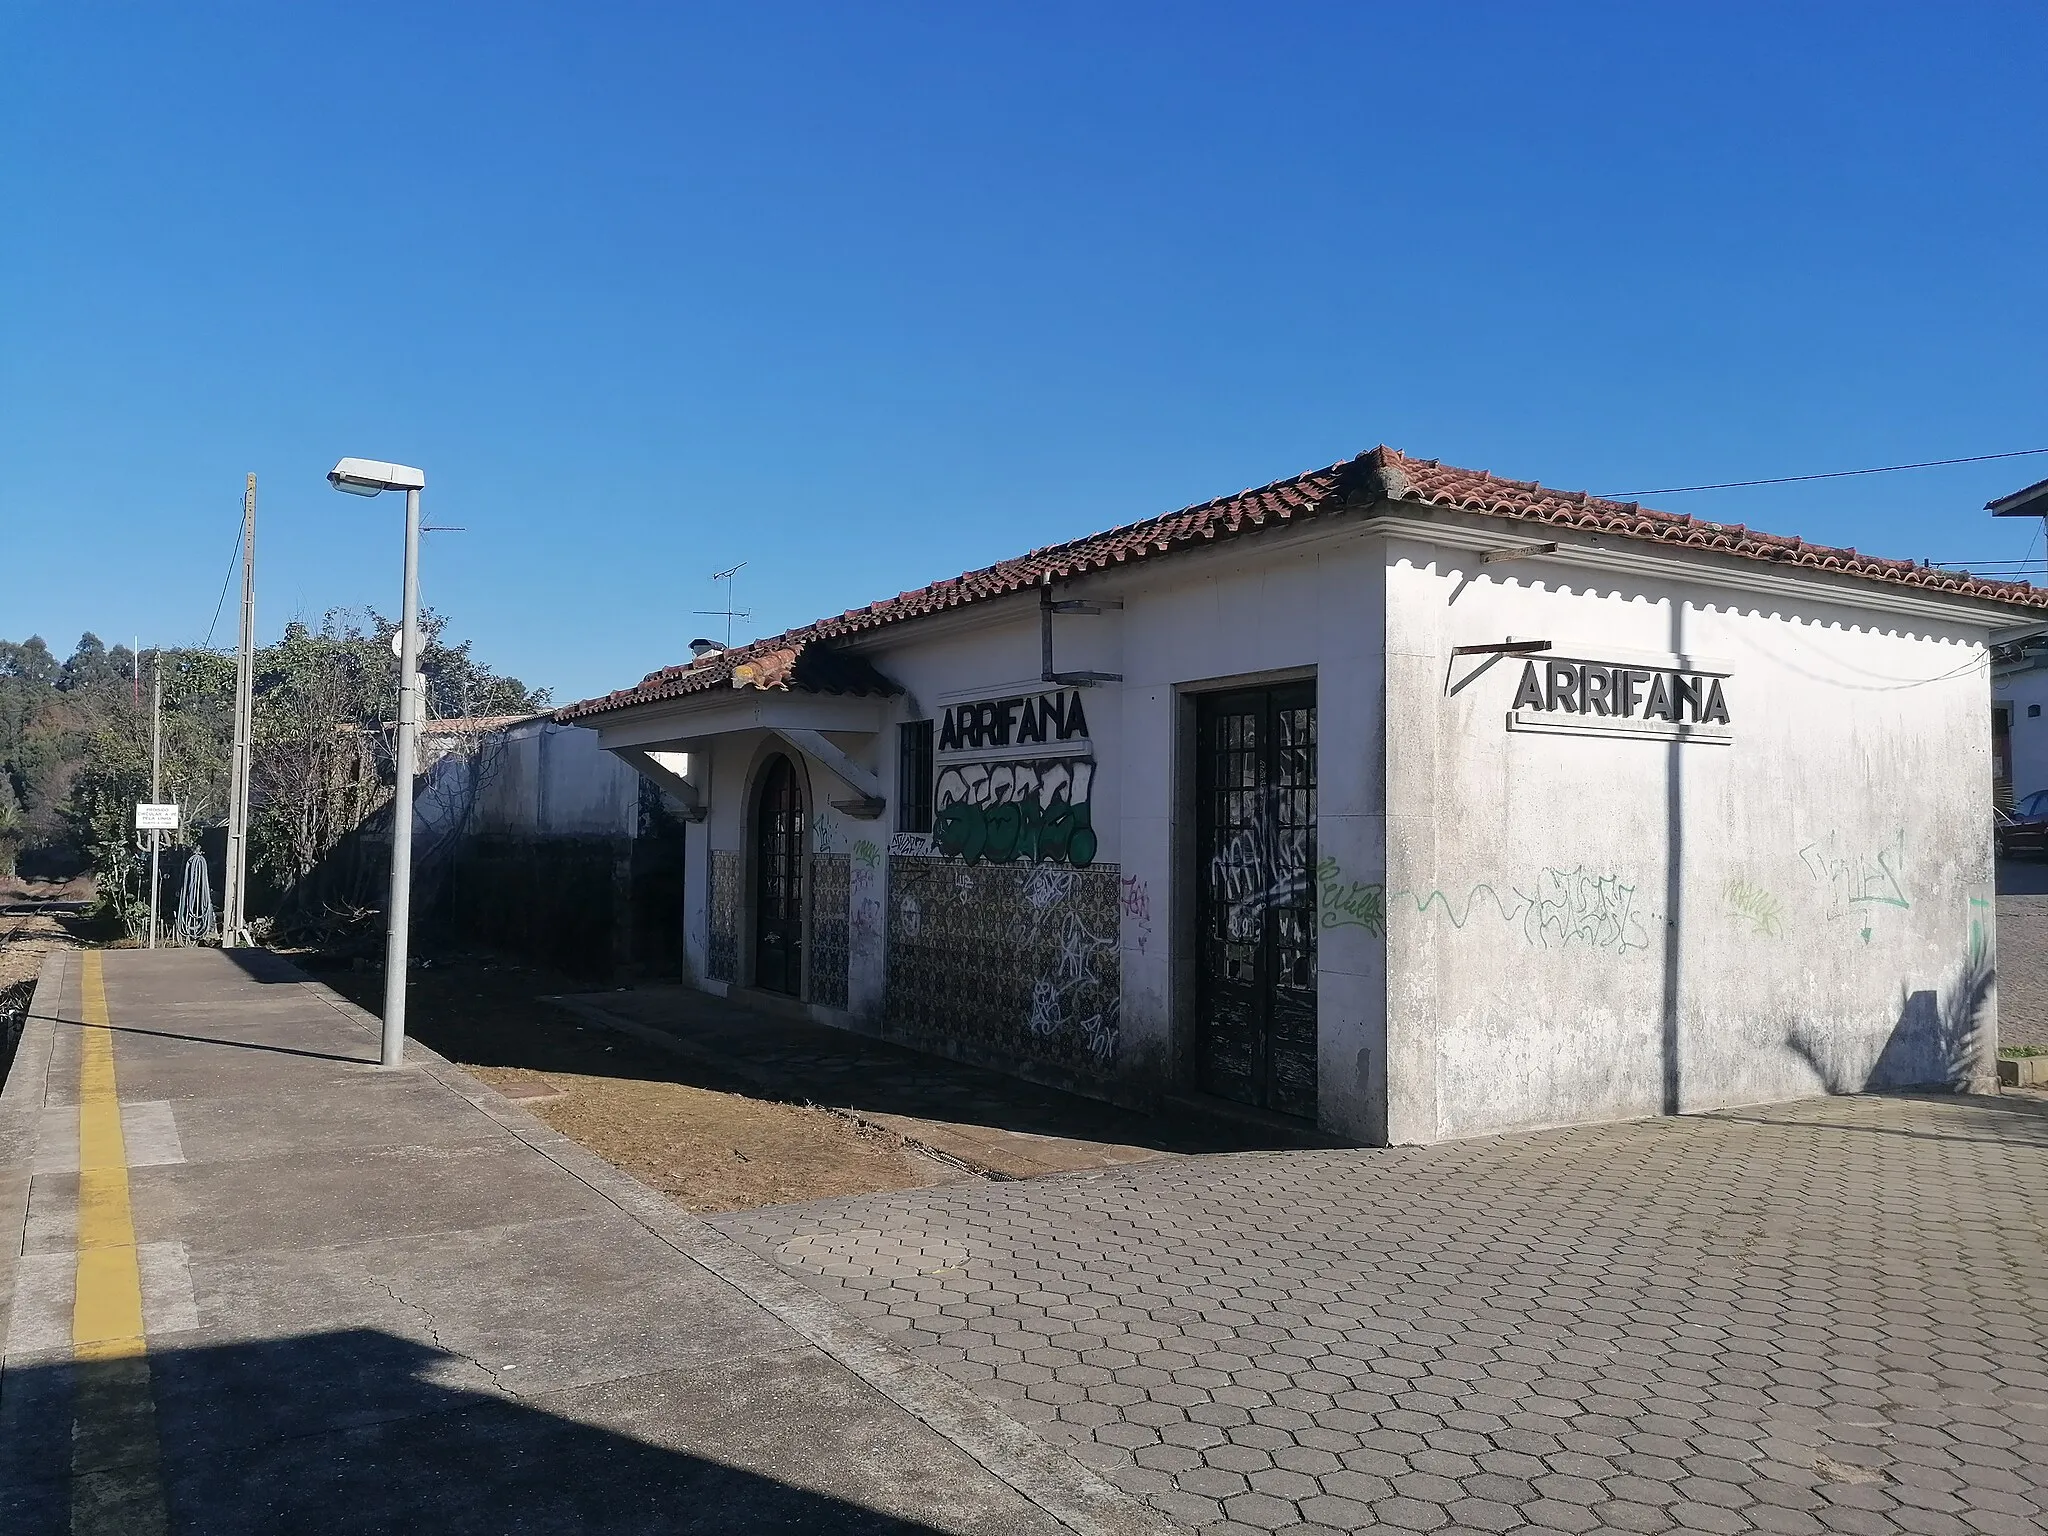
[233, 1045]
[262, 965]
[2023, 877]
[347, 1431]
[2004, 1121]
[492, 1014]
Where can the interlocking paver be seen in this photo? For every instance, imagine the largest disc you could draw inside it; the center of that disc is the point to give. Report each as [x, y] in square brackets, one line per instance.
[1799, 1319]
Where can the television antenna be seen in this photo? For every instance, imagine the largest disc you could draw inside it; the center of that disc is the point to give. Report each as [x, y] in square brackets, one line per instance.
[728, 612]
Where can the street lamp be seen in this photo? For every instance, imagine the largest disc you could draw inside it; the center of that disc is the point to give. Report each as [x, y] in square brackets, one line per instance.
[372, 477]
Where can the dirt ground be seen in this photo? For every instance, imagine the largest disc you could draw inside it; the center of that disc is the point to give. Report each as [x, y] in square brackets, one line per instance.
[668, 1122]
[34, 915]
[31, 923]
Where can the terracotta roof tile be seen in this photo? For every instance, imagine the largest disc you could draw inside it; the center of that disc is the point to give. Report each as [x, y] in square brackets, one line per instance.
[1383, 474]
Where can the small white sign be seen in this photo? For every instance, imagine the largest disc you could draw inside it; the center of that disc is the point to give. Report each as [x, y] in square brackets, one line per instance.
[156, 818]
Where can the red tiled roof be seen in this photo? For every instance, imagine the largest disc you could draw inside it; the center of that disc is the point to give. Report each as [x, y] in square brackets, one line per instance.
[1384, 474]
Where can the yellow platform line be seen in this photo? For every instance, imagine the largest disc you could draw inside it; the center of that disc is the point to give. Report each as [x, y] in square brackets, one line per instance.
[115, 1481]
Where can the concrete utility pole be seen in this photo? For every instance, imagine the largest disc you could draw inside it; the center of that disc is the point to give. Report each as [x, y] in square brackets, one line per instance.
[234, 926]
[156, 773]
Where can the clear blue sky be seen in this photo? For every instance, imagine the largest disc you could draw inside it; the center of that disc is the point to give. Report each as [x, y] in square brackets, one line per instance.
[867, 295]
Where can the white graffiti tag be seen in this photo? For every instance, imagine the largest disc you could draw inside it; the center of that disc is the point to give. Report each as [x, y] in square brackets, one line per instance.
[1076, 951]
[985, 784]
[1260, 866]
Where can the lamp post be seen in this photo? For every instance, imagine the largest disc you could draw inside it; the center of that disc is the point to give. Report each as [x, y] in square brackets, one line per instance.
[372, 477]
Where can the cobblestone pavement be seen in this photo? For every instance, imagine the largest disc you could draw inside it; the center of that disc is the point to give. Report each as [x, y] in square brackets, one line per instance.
[2023, 957]
[1817, 1317]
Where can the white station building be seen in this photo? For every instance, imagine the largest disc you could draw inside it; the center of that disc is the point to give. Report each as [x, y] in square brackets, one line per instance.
[1393, 797]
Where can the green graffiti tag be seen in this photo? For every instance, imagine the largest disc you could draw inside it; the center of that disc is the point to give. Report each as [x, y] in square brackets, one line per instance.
[1859, 880]
[1010, 830]
[1425, 901]
[1756, 906]
[1565, 907]
[1349, 904]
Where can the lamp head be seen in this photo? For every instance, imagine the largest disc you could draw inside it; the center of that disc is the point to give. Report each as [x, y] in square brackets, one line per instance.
[369, 477]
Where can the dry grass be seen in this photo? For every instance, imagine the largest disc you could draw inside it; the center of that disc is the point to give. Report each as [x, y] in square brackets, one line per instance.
[707, 1144]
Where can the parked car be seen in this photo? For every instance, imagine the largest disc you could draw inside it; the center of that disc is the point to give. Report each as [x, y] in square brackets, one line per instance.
[2033, 805]
[2025, 832]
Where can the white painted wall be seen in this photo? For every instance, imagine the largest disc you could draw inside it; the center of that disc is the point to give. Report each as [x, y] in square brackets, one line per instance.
[2021, 691]
[548, 780]
[1311, 607]
[1833, 866]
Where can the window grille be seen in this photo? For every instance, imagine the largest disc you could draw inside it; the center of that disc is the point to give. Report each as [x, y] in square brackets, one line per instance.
[914, 776]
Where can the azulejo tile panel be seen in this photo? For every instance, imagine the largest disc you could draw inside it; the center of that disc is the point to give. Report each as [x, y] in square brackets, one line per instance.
[724, 917]
[830, 883]
[1018, 960]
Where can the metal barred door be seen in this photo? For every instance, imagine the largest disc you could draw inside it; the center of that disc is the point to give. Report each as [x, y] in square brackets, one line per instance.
[1255, 832]
[779, 881]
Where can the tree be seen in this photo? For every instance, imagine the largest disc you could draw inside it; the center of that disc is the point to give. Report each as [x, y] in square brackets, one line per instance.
[92, 665]
[323, 763]
[31, 661]
[10, 828]
[74, 745]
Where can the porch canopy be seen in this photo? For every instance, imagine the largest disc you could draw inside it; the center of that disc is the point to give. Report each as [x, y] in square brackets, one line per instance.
[805, 692]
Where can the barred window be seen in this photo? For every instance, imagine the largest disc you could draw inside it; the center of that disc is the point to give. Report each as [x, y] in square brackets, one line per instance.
[914, 776]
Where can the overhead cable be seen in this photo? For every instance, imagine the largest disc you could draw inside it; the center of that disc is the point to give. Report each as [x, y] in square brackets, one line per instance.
[1833, 474]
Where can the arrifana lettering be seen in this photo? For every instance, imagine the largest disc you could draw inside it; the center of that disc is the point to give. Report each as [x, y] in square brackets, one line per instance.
[1027, 720]
[1622, 692]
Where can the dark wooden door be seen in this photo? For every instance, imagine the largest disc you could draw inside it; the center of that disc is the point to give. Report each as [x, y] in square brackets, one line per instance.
[779, 881]
[1255, 903]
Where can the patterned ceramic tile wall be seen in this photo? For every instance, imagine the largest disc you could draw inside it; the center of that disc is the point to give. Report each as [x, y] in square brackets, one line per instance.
[725, 916]
[1018, 960]
[830, 878]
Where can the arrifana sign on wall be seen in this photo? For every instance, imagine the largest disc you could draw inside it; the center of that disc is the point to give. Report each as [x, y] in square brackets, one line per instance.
[1015, 781]
[1574, 695]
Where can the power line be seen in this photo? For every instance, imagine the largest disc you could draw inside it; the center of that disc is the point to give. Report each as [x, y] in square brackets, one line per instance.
[232, 560]
[1833, 474]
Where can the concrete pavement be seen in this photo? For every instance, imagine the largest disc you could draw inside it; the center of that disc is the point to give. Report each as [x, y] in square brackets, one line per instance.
[1821, 1316]
[254, 1283]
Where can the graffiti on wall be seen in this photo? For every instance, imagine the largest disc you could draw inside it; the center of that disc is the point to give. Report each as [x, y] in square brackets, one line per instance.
[1015, 782]
[1858, 881]
[1584, 907]
[1007, 960]
[1037, 812]
[1748, 902]
[1260, 865]
[1557, 909]
[864, 904]
[1063, 995]
[1346, 903]
[1134, 906]
[825, 833]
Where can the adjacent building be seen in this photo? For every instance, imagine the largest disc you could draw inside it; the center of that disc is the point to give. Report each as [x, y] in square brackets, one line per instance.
[1394, 797]
[2019, 683]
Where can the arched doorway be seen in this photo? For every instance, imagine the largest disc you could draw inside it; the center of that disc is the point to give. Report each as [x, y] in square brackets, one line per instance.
[779, 880]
